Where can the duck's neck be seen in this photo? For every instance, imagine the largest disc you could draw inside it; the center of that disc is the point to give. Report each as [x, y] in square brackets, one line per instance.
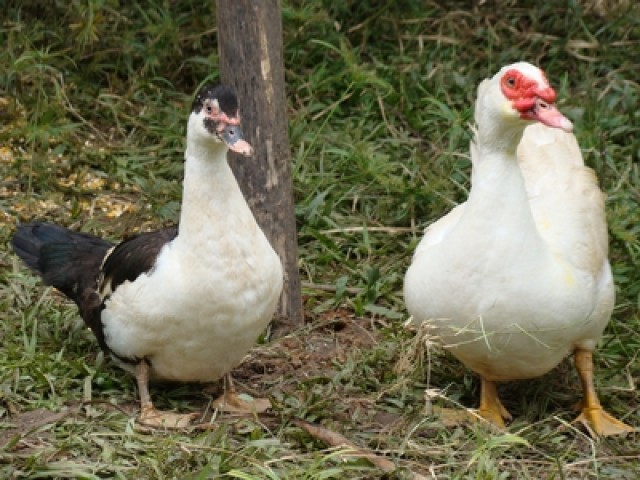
[498, 184]
[498, 201]
[211, 196]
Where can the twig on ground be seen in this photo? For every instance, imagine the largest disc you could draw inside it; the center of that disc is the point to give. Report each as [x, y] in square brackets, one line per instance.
[370, 229]
[336, 439]
[330, 288]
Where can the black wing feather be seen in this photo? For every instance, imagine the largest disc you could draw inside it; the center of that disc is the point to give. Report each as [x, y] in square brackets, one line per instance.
[67, 260]
[134, 256]
[75, 264]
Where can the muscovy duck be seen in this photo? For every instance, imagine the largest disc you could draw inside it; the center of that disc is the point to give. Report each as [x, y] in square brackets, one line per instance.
[517, 278]
[180, 304]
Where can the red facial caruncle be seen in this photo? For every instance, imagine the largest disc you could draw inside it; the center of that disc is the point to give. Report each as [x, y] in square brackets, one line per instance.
[533, 100]
[224, 119]
[523, 91]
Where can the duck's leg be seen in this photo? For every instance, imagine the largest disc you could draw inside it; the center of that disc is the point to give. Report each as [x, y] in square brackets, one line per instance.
[491, 408]
[593, 415]
[149, 416]
[230, 401]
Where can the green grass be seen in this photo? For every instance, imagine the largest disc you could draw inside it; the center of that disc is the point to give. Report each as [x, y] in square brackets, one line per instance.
[93, 102]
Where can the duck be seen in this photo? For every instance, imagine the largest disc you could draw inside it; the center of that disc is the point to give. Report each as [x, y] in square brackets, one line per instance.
[183, 303]
[517, 278]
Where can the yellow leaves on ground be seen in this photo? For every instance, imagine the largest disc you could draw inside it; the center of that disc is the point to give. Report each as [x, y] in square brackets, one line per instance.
[6, 155]
[69, 190]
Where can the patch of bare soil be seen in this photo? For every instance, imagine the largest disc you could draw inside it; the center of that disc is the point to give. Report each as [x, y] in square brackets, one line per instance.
[318, 352]
[314, 351]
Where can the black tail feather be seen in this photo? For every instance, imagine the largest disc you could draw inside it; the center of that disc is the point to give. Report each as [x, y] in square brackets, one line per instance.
[69, 261]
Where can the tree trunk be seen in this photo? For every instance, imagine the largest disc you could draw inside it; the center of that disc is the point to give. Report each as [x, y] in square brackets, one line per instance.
[251, 61]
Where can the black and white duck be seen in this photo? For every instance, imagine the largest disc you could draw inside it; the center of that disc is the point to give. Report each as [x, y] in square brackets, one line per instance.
[180, 304]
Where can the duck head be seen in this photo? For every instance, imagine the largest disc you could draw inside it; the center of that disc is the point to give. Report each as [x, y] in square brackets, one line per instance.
[516, 96]
[215, 117]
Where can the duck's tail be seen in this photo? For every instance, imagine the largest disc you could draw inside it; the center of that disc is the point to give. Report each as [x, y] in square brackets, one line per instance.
[69, 261]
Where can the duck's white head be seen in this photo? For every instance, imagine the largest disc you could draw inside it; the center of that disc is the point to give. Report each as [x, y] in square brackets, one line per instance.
[516, 96]
[215, 118]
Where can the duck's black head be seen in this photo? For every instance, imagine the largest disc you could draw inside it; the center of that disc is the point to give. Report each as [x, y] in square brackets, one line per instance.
[217, 107]
[225, 97]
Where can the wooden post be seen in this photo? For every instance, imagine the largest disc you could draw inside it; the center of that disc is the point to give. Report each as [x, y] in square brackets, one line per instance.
[251, 61]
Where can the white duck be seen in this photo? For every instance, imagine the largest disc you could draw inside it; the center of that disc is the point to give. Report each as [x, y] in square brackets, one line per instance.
[517, 278]
[176, 304]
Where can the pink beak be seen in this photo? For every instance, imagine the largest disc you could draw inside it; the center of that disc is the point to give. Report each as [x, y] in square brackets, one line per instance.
[231, 135]
[548, 114]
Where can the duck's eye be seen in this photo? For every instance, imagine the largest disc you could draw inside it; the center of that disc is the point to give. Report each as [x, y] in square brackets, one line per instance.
[510, 81]
[209, 108]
